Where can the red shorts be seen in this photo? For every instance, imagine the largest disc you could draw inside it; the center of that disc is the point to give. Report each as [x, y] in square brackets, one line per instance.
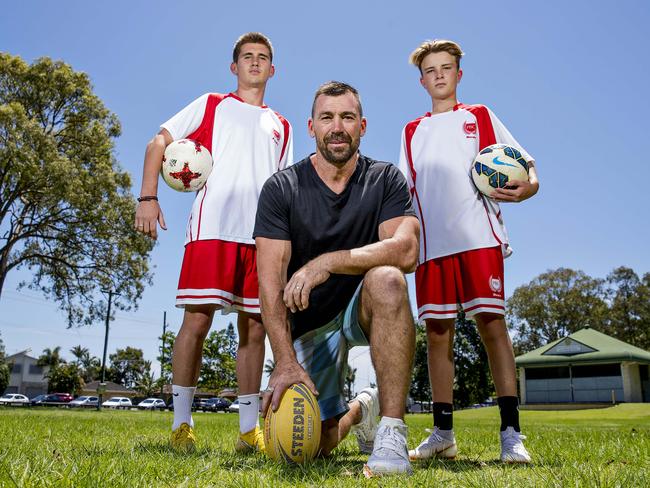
[469, 280]
[219, 272]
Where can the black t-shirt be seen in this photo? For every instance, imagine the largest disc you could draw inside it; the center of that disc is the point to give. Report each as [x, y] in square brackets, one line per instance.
[296, 205]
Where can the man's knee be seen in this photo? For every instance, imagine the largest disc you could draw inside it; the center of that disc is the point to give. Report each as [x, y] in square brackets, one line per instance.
[329, 436]
[385, 284]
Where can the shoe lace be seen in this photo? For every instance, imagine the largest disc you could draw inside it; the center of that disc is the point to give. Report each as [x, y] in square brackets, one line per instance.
[434, 437]
[389, 440]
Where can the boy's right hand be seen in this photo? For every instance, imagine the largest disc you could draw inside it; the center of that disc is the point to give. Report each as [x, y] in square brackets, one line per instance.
[147, 215]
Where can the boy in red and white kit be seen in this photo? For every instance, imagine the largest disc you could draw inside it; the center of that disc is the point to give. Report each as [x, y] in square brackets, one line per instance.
[463, 243]
[248, 142]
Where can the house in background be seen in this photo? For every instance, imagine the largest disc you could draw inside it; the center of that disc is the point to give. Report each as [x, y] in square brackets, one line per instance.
[584, 367]
[26, 376]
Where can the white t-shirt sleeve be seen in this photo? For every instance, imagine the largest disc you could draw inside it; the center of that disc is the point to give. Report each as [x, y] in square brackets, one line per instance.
[187, 120]
[503, 136]
[287, 157]
[403, 163]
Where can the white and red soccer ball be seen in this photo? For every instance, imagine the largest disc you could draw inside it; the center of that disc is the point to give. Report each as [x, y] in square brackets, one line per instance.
[186, 165]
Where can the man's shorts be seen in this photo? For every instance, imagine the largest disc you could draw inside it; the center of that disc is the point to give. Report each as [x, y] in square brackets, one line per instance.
[222, 273]
[469, 280]
[323, 353]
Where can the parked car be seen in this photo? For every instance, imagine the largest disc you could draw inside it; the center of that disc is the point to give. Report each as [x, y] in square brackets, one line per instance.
[117, 402]
[37, 399]
[199, 404]
[14, 399]
[152, 404]
[84, 401]
[52, 399]
[217, 404]
[234, 407]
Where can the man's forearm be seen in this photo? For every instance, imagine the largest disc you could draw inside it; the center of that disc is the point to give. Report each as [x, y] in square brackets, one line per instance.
[274, 318]
[401, 251]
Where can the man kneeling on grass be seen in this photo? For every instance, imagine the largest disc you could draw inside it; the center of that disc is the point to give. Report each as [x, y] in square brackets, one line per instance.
[334, 235]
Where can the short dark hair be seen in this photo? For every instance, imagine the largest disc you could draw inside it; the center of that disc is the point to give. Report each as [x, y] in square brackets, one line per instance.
[253, 38]
[336, 89]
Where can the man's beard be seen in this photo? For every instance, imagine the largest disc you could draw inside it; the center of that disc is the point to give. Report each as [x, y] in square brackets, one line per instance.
[341, 156]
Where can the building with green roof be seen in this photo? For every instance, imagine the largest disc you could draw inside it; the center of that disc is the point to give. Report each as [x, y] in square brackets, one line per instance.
[584, 367]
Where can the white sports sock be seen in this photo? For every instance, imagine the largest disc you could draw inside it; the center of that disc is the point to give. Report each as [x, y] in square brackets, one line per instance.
[249, 408]
[391, 422]
[183, 396]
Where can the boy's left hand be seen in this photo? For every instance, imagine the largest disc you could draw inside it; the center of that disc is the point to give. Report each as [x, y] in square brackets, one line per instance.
[518, 191]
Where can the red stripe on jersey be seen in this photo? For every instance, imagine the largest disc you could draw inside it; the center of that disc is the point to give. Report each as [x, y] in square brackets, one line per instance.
[287, 128]
[205, 192]
[203, 133]
[486, 133]
[409, 132]
[487, 137]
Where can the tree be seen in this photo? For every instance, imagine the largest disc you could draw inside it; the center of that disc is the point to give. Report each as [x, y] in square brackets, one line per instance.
[350, 376]
[218, 366]
[232, 343]
[165, 355]
[64, 378]
[420, 390]
[127, 366]
[629, 311]
[554, 305]
[473, 383]
[50, 358]
[89, 366]
[66, 210]
[4, 368]
[146, 384]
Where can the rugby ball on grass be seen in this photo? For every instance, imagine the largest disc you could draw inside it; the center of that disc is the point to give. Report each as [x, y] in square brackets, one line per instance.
[292, 432]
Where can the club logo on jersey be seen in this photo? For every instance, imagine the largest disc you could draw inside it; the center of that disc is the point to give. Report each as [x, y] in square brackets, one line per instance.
[276, 137]
[470, 129]
[495, 284]
[185, 175]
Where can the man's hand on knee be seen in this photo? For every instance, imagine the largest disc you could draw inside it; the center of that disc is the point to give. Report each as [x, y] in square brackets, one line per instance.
[303, 281]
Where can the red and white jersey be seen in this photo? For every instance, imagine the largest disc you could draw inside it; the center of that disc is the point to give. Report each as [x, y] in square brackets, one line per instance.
[436, 157]
[248, 144]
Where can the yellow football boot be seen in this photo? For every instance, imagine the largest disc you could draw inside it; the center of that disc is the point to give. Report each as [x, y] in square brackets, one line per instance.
[183, 438]
[251, 441]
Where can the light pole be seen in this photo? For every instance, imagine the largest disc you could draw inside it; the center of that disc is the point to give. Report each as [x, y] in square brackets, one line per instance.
[162, 354]
[102, 385]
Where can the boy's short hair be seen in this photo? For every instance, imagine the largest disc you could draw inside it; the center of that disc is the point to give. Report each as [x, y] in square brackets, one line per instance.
[435, 46]
[336, 89]
[251, 37]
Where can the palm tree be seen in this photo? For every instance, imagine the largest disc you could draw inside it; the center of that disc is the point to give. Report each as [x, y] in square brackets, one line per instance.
[50, 357]
[80, 353]
[269, 366]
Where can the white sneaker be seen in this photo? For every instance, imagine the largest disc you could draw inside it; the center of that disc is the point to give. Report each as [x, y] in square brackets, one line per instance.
[390, 455]
[366, 430]
[441, 443]
[512, 447]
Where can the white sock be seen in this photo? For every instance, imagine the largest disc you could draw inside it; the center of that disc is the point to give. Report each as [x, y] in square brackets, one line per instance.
[183, 396]
[392, 422]
[249, 408]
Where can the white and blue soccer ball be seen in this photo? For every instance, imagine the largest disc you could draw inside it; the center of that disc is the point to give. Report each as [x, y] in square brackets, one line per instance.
[496, 165]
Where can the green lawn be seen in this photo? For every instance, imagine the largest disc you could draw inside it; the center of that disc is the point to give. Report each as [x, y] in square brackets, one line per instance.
[604, 447]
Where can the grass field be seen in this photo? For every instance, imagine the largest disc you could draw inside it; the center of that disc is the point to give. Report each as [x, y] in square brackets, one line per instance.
[603, 447]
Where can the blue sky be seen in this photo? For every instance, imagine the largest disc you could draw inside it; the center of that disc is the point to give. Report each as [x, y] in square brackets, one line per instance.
[569, 79]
